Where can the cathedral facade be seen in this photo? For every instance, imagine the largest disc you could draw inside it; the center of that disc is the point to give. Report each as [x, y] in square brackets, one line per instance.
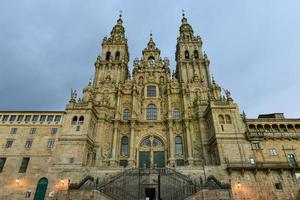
[150, 118]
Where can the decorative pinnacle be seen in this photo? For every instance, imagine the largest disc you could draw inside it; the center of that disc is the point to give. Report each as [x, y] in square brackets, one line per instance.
[120, 14]
[150, 34]
[183, 13]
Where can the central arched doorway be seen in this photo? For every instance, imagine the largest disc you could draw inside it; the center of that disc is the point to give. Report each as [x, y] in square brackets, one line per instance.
[151, 153]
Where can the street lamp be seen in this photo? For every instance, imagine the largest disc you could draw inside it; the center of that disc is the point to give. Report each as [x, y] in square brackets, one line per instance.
[238, 184]
[18, 180]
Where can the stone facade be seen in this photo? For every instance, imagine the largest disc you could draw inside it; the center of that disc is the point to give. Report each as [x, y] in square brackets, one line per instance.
[150, 118]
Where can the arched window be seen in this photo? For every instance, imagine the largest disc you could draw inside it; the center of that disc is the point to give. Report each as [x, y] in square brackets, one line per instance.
[221, 119]
[151, 91]
[117, 57]
[176, 114]
[81, 119]
[227, 119]
[151, 112]
[151, 58]
[186, 54]
[107, 55]
[124, 146]
[178, 145]
[126, 114]
[196, 55]
[74, 120]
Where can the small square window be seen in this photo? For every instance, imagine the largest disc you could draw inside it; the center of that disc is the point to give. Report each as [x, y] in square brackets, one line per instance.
[5, 118]
[71, 160]
[35, 118]
[28, 194]
[57, 118]
[50, 143]
[20, 118]
[27, 118]
[278, 186]
[12, 118]
[54, 130]
[9, 143]
[77, 128]
[50, 118]
[28, 144]
[13, 130]
[32, 131]
[255, 146]
[43, 118]
[273, 152]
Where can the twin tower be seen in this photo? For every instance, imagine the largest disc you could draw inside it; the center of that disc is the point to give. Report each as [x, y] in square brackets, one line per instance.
[192, 64]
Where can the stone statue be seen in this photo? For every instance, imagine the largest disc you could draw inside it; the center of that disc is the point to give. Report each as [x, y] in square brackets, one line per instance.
[73, 94]
[227, 93]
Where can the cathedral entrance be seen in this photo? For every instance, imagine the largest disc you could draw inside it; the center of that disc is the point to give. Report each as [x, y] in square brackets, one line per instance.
[152, 153]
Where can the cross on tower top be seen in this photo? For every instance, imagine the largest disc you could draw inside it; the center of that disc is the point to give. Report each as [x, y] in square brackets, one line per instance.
[120, 14]
[183, 13]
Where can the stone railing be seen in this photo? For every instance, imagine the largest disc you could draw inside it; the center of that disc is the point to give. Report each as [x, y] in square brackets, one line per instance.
[273, 135]
[268, 165]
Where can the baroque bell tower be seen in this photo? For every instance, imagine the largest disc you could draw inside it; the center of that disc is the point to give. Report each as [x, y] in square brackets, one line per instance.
[112, 63]
[192, 63]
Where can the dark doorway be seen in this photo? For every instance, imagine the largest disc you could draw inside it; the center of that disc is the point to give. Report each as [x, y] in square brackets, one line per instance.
[150, 193]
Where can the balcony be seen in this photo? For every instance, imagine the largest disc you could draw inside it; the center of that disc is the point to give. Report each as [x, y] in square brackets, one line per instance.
[264, 166]
[272, 135]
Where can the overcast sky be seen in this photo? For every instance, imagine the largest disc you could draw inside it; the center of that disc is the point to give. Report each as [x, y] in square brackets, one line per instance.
[48, 47]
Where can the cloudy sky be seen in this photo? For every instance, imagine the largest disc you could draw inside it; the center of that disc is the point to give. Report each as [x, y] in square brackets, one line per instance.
[48, 47]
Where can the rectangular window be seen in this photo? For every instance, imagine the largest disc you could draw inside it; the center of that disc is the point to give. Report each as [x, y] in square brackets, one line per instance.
[32, 131]
[28, 144]
[2, 163]
[9, 143]
[77, 128]
[50, 118]
[43, 118]
[12, 118]
[278, 186]
[0, 116]
[57, 118]
[273, 152]
[35, 118]
[20, 118]
[27, 118]
[5, 118]
[24, 165]
[50, 143]
[13, 130]
[151, 91]
[54, 130]
[255, 146]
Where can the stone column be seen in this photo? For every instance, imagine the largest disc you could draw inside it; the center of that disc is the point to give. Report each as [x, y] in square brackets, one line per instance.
[189, 142]
[113, 161]
[171, 142]
[132, 160]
